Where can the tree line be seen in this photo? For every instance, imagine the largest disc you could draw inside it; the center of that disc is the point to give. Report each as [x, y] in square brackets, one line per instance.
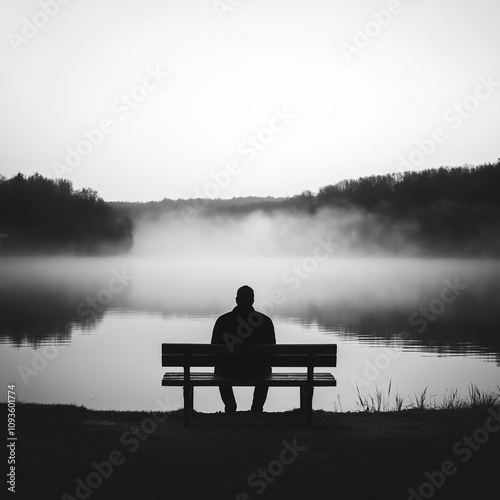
[40, 215]
[451, 210]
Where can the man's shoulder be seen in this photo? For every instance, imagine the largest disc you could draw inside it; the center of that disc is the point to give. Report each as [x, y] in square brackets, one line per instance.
[264, 317]
[226, 316]
[235, 313]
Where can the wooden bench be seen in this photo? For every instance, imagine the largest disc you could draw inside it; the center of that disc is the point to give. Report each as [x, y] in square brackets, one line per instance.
[307, 356]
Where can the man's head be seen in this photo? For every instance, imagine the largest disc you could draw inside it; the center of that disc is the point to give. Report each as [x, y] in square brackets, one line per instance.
[244, 296]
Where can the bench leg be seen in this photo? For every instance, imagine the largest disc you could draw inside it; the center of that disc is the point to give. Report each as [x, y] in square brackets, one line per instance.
[306, 397]
[188, 405]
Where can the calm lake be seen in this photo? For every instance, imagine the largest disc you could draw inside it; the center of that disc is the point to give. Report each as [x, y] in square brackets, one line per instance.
[89, 330]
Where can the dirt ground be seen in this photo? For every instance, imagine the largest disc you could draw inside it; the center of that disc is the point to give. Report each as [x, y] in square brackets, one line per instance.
[69, 452]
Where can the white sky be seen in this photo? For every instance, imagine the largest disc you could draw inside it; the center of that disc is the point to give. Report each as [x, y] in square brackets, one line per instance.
[226, 77]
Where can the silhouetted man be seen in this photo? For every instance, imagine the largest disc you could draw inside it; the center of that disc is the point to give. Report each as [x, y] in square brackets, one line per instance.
[238, 328]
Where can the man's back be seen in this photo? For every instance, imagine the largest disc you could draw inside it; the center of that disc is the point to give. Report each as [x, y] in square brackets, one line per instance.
[243, 326]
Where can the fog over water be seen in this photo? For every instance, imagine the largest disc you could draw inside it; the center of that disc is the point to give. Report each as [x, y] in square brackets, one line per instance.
[258, 234]
[318, 278]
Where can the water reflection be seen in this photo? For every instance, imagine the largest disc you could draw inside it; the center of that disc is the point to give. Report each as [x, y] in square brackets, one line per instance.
[472, 327]
[118, 367]
[42, 300]
[128, 307]
[360, 301]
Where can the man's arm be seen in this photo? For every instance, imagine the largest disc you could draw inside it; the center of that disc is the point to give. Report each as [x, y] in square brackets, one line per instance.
[271, 336]
[220, 327]
[216, 333]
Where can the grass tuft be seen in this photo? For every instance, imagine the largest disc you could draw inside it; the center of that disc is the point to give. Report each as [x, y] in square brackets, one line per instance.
[451, 400]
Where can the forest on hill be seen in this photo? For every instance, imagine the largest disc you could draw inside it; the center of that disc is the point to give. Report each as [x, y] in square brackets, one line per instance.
[44, 216]
[448, 210]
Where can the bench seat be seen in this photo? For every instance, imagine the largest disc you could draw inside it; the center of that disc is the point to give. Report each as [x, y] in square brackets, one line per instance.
[207, 379]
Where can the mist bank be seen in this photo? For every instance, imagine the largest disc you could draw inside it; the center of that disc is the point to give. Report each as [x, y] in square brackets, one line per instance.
[347, 232]
[436, 212]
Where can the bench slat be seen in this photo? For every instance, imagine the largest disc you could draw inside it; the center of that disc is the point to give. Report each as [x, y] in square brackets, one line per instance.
[273, 379]
[236, 359]
[178, 348]
[292, 355]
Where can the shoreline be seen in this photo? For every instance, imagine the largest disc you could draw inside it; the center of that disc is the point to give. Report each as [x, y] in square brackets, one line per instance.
[67, 452]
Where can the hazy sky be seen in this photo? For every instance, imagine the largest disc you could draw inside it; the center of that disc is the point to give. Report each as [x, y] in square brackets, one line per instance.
[282, 95]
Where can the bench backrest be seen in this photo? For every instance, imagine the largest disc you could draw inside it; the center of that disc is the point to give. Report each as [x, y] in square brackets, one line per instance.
[304, 355]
